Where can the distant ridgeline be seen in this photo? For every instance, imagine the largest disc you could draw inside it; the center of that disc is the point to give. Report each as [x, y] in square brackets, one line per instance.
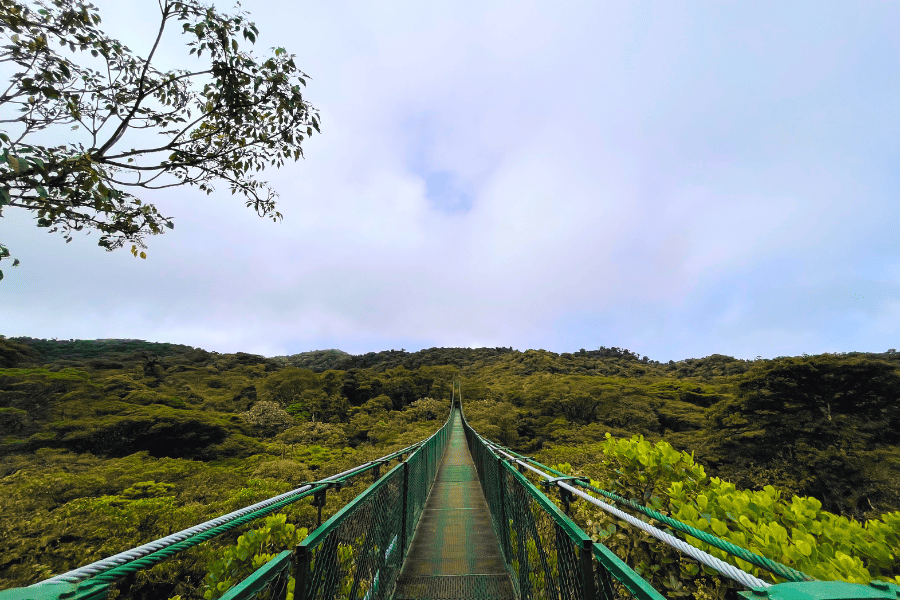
[60, 351]
[322, 360]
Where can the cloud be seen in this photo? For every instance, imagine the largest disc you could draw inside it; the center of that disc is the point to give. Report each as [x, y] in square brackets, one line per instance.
[676, 180]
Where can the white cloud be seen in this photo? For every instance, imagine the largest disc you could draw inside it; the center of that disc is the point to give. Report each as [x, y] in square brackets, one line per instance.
[679, 181]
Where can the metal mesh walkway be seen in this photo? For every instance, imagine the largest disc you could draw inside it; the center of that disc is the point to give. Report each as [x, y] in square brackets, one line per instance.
[455, 553]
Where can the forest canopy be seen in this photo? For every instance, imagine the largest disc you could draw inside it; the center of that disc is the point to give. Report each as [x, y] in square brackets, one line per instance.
[152, 437]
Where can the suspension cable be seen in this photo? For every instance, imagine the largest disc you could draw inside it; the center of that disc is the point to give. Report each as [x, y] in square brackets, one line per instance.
[762, 562]
[121, 558]
[730, 571]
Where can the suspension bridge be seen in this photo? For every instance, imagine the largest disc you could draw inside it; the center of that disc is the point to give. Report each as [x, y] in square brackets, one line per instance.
[455, 518]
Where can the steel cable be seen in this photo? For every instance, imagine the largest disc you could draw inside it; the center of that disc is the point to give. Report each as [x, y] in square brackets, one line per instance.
[721, 566]
[133, 554]
[772, 566]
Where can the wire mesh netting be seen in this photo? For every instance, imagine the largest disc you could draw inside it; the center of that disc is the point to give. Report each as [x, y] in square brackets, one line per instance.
[271, 582]
[455, 553]
[548, 555]
[362, 553]
[359, 552]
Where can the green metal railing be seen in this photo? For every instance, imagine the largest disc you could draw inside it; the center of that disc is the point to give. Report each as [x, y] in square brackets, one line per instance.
[95, 580]
[547, 554]
[359, 552]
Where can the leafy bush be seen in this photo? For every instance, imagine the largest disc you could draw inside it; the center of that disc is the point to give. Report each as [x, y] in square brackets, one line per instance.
[798, 534]
[147, 489]
[162, 431]
[268, 419]
[253, 549]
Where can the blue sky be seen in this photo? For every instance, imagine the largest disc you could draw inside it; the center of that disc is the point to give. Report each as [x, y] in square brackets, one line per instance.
[679, 180]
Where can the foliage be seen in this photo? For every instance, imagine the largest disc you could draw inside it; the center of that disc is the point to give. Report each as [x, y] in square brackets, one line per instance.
[253, 549]
[796, 533]
[311, 433]
[247, 115]
[82, 476]
[268, 419]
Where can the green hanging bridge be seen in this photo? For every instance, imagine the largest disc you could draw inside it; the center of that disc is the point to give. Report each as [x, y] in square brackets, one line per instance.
[456, 518]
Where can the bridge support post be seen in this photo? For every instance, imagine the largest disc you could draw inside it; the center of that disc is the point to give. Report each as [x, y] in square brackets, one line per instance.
[405, 508]
[301, 572]
[586, 556]
[504, 522]
[565, 497]
[319, 500]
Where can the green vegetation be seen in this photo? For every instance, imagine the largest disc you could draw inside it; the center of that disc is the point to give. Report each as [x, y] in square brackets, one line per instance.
[112, 443]
[247, 115]
[797, 533]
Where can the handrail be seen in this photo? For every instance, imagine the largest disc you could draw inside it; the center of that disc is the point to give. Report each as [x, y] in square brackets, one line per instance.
[730, 571]
[800, 587]
[360, 550]
[92, 581]
[543, 559]
[781, 570]
[120, 560]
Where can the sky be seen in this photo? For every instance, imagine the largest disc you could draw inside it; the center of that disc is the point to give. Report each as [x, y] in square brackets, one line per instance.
[678, 179]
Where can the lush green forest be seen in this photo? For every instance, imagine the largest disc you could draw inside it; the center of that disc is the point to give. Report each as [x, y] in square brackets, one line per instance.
[107, 444]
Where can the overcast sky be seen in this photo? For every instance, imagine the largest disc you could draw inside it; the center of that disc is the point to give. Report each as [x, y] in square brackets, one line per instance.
[678, 179]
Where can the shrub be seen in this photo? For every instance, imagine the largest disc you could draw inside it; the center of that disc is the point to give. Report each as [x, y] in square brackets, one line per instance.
[253, 549]
[796, 533]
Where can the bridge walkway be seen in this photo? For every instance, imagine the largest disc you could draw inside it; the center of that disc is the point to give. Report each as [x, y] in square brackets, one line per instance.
[455, 553]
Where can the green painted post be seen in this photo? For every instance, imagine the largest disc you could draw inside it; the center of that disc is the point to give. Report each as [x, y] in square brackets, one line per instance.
[504, 523]
[586, 556]
[301, 572]
[405, 506]
[319, 500]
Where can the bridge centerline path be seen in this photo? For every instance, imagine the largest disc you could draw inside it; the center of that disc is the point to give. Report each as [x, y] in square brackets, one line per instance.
[455, 553]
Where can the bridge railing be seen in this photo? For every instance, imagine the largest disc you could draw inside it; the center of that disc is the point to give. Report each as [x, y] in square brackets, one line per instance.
[547, 554]
[358, 552]
[406, 485]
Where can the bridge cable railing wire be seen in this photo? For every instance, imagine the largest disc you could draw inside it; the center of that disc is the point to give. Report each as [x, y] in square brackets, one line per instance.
[197, 534]
[359, 552]
[565, 482]
[730, 571]
[546, 553]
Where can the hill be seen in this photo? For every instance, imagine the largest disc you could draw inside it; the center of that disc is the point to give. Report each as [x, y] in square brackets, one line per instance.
[106, 444]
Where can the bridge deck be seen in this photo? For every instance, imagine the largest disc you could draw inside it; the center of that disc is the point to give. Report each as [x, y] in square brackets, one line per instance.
[455, 553]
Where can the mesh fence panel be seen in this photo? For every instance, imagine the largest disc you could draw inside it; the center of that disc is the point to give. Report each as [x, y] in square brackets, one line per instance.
[358, 553]
[361, 554]
[271, 582]
[548, 555]
[423, 467]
